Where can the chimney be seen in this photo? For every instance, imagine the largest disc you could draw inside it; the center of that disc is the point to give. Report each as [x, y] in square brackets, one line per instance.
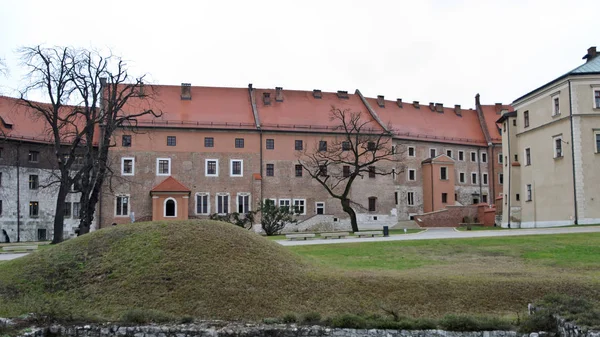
[591, 53]
[439, 107]
[267, 98]
[380, 101]
[103, 81]
[431, 106]
[416, 105]
[399, 102]
[498, 107]
[278, 94]
[457, 110]
[342, 94]
[186, 91]
[317, 94]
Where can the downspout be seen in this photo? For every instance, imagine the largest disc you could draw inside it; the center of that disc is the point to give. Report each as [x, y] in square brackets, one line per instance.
[492, 183]
[573, 153]
[432, 196]
[480, 176]
[506, 163]
[258, 126]
[18, 194]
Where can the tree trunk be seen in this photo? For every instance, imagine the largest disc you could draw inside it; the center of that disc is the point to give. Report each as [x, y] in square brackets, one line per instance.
[346, 207]
[59, 216]
[88, 202]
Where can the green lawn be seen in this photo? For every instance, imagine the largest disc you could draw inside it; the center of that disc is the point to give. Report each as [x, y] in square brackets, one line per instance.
[392, 232]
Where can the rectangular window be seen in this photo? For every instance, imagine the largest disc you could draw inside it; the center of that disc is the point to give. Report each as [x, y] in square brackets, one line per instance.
[239, 143]
[484, 198]
[163, 166]
[526, 118]
[558, 153]
[461, 177]
[461, 155]
[209, 142]
[449, 153]
[322, 145]
[410, 198]
[285, 204]
[34, 208]
[412, 175]
[211, 167]
[122, 206]
[372, 204]
[518, 197]
[505, 161]
[411, 151]
[236, 168]
[371, 146]
[514, 122]
[501, 178]
[33, 182]
[474, 178]
[171, 141]
[527, 156]
[202, 203]
[345, 146]
[33, 156]
[243, 203]
[299, 206]
[484, 157]
[474, 157]
[126, 140]
[597, 137]
[323, 170]
[298, 169]
[76, 210]
[222, 203]
[67, 210]
[516, 158]
[556, 106]
[270, 170]
[371, 171]
[127, 165]
[320, 208]
[500, 158]
[444, 198]
[484, 178]
[346, 171]
[432, 153]
[597, 99]
[298, 145]
[270, 144]
[443, 173]
[528, 192]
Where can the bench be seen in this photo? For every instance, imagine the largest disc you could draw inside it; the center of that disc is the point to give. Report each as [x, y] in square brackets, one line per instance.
[368, 233]
[19, 248]
[337, 235]
[299, 236]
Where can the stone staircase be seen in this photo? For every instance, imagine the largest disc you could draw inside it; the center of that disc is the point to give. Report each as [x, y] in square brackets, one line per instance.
[406, 224]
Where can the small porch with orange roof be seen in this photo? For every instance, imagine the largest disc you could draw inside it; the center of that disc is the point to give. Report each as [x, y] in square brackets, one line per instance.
[170, 200]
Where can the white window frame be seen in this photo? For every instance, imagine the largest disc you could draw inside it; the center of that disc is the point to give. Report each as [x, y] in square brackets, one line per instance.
[463, 155]
[165, 208]
[206, 174]
[596, 134]
[203, 194]
[231, 161]
[554, 97]
[447, 174]
[474, 182]
[408, 175]
[484, 157]
[464, 177]
[158, 167]
[237, 201]
[414, 151]
[485, 179]
[561, 146]
[319, 204]
[525, 156]
[528, 192]
[473, 155]
[221, 194]
[595, 90]
[435, 150]
[128, 205]
[123, 159]
[303, 206]
[451, 155]
[272, 199]
[288, 201]
[408, 198]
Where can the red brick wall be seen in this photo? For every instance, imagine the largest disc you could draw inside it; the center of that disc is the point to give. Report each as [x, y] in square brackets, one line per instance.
[452, 216]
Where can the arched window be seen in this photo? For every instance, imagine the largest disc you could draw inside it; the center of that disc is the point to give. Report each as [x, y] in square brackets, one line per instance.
[170, 207]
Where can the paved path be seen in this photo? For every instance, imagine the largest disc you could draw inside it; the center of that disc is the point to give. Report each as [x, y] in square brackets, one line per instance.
[6, 257]
[449, 233]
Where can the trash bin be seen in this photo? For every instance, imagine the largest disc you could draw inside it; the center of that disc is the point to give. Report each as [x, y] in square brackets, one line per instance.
[386, 231]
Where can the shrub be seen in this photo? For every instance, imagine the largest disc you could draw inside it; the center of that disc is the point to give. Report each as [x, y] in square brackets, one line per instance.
[290, 318]
[542, 320]
[348, 321]
[312, 318]
[271, 320]
[424, 324]
[186, 320]
[142, 316]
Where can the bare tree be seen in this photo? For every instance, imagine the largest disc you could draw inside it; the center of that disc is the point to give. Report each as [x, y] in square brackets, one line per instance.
[87, 94]
[355, 151]
[3, 68]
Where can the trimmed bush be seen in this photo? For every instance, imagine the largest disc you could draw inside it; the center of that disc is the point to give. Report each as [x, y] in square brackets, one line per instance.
[312, 318]
[424, 324]
[271, 320]
[290, 318]
[349, 321]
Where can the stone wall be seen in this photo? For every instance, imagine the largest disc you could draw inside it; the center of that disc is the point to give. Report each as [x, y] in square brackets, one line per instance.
[252, 330]
[452, 216]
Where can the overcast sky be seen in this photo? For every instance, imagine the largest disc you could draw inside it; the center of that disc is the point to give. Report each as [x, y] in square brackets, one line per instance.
[431, 51]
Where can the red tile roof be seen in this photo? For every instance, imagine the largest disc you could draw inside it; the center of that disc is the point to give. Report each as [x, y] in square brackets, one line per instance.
[170, 185]
[301, 111]
[491, 114]
[209, 107]
[409, 122]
